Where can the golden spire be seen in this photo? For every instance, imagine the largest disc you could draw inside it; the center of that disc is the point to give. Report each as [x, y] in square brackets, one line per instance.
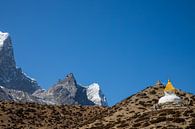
[169, 87]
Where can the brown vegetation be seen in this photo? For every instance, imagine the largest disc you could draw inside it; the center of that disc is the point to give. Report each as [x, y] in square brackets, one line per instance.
[135, 112]
[30, 116]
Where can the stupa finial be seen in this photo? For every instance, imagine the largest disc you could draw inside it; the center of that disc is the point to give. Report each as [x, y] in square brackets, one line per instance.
[169, 87]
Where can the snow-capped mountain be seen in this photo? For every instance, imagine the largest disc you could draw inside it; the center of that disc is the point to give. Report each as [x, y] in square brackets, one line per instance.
[10, 76]
[67, 91]
[15, 85]
[95, 94]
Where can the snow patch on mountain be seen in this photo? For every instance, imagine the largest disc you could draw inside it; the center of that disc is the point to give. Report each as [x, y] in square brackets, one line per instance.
[32, 79]
[95, 95]
[3, 37]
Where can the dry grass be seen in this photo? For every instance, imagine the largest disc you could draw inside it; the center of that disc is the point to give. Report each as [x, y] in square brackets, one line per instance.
[30, 115]
[135, 112]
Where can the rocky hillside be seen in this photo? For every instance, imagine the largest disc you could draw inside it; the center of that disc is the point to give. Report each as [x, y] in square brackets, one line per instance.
[35, 116]
[138, 111]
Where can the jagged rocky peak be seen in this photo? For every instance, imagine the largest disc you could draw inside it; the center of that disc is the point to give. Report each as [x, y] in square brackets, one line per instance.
[10, 76]
[68, 80]
[67, 91]
[6, 53]
[68, 84]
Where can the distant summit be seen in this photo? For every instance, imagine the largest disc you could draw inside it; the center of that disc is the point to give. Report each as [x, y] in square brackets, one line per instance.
[10, 76]
[95, 94]
[67, 91]
[17, 86]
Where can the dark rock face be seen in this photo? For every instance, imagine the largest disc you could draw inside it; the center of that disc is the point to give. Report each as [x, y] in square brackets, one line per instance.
[81, 96]
[10, 76]
[4, 95]
[7, 62]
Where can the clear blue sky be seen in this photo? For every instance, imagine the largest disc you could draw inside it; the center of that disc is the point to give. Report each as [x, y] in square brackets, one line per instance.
[124, 45]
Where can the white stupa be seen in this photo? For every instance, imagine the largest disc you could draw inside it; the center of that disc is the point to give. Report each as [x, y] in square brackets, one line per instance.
[170, 96]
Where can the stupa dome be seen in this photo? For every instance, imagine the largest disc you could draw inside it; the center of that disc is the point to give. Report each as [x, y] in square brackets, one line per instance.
[170, 96]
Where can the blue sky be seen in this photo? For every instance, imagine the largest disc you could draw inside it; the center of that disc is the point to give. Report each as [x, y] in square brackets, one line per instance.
[124, 45]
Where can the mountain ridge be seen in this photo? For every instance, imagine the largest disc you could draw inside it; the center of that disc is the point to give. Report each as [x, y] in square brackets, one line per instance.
[20, 87]
[10, 76]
